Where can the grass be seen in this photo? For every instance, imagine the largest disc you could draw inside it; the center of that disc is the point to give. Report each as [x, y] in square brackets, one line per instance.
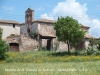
[57, 68]
[46, 56]
[49, 63]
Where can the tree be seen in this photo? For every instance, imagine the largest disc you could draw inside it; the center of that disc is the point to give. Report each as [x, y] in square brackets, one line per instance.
[69, 31]
[3, 46]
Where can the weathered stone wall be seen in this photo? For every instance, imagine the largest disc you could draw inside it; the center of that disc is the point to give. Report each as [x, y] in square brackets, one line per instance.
[59, 46]
[47, 29]
[87, 43]
[23, 29]
[62, 47]
[13, 39]
[28, 44]
[34, 27]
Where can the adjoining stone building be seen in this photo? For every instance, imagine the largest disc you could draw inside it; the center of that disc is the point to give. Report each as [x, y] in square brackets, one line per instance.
[11, 28]
[17, 34]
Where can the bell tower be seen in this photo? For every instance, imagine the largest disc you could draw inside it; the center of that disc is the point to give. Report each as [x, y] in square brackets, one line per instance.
[29, 16]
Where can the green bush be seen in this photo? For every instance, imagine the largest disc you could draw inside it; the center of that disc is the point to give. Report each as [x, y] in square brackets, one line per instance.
[3, 50]
[92, 50]
[78, 52]
[3, 47]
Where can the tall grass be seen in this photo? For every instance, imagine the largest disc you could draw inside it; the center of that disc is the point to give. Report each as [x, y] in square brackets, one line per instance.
[49, 63]
[47, 56]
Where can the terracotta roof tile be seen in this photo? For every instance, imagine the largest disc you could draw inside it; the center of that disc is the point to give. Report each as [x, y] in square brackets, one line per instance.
[9, 21]
[45, 20]
[83, 26]
[88, 36]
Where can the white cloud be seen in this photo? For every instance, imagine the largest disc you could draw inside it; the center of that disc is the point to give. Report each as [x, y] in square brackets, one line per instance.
[39, 9]
[76, 10]
[95, 27]
[46, 16]
[8, 8]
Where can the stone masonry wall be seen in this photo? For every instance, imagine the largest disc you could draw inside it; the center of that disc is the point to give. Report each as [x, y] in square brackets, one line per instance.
[47, 29]
[28, 44]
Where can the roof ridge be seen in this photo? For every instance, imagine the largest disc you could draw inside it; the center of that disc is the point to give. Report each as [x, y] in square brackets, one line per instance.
[9, 21]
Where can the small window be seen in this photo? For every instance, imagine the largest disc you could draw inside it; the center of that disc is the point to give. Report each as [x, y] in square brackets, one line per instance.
[13, 25]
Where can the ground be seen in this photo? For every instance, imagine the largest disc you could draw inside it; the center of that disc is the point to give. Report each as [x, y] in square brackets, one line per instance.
[49, 63]
[57, 68]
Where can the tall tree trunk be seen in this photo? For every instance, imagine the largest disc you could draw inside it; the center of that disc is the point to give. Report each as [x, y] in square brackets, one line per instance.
[68, 43]
[69, 48]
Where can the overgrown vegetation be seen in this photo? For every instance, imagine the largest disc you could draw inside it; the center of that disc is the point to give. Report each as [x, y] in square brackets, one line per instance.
[31, 34]
[94, 48]
[47, 56]
[12, 35]
[3, 47]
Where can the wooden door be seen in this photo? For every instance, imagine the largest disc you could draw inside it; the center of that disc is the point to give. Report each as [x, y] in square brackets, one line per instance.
[14, 47]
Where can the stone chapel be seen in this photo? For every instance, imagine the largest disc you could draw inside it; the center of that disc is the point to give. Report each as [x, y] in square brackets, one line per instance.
[16, 34]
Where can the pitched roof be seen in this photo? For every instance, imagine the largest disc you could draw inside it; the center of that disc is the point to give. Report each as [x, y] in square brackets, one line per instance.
[87, 36]
[45, 21]
[83, 26]
[9, 21]
[46, 36]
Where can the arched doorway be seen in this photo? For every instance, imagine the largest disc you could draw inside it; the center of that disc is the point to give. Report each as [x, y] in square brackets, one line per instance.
[14, 47]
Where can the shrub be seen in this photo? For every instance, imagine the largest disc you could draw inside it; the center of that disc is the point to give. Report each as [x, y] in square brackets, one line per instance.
[92, 50]
[12, 35]
[32, 34]
[3, 47]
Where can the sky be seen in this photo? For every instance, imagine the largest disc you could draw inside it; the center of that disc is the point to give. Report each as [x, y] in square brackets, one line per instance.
[87, 12]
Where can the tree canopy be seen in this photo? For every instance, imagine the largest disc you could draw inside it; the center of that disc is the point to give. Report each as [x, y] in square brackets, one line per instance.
[69, 31]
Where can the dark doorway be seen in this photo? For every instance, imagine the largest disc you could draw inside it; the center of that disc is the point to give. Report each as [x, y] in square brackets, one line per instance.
[48, 44]
[49, 41]
[14, 47]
